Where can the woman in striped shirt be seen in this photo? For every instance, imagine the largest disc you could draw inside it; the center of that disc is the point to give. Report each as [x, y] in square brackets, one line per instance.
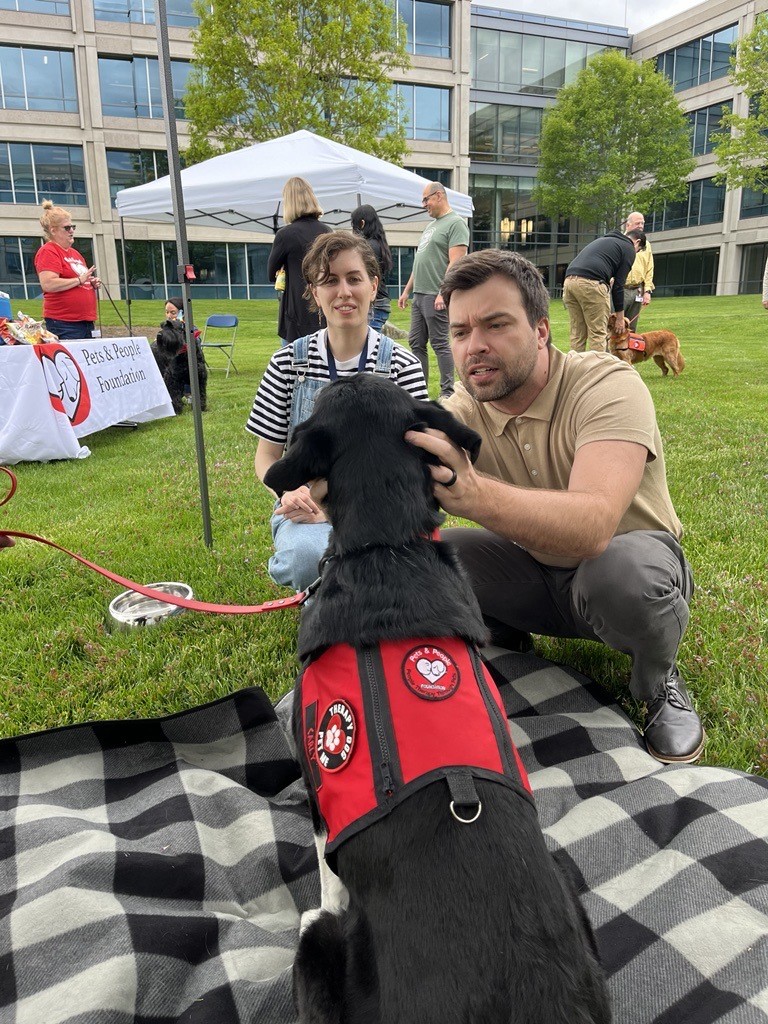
[342, 279]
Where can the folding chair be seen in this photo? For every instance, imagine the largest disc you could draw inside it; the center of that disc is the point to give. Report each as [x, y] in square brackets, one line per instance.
[226, 322]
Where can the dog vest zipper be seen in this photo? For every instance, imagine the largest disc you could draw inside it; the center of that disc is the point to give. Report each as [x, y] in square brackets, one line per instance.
[381, 722]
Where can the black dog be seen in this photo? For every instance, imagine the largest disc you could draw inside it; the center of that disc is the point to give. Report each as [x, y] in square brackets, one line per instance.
[453, 912]
[170, 352]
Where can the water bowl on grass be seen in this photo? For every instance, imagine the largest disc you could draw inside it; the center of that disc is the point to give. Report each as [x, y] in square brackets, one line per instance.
[130, 609]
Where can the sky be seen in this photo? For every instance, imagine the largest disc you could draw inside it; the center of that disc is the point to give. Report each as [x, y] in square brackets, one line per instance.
[639, 15]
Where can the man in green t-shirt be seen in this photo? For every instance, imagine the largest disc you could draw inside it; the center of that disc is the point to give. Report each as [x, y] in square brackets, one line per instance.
[443, 241]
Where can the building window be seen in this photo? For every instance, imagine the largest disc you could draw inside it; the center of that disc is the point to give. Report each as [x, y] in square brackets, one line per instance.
[686, 273]
[142, 12]
[753, 204]
[427, 111]
[37, 79]
[127, 168]
[705, 126]
[36, 6]
[18, 276]
[701, 60]
[504, 134]
[753, 259]
[130, 86]
[514, 62]
[427, 27]
[225, 270]
[30, 173]
[505, 215]
[442, 174]
[704, 204]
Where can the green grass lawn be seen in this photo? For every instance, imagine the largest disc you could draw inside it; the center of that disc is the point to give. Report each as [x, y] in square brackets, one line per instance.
[133, 506]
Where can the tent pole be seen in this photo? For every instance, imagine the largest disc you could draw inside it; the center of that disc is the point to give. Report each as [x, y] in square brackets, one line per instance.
[182, 251]
[125, 277]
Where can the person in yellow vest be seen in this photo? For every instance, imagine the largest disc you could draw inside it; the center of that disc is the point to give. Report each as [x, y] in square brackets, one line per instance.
[639, 283]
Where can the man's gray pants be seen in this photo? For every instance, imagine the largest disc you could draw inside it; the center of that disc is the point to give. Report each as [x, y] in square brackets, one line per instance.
[632, 308]
[633, 597]
[428, 323]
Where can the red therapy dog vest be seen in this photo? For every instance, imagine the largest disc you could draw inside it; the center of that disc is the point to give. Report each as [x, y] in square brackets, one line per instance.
[382, 722]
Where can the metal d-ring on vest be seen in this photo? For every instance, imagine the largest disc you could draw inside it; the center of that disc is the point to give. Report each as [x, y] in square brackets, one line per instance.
[466, 821]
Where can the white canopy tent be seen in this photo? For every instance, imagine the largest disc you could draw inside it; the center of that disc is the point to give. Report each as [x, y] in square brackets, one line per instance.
[243, 190]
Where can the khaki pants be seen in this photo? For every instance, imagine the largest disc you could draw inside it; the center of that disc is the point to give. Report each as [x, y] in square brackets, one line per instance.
[589, 305]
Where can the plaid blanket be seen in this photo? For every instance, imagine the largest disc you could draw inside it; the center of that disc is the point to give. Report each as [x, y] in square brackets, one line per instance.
[155, 871]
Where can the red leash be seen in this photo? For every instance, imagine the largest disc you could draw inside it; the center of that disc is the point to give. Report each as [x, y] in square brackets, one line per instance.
[159, 595]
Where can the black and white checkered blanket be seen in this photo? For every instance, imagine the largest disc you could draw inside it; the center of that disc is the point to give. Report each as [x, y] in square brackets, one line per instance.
[155, 871]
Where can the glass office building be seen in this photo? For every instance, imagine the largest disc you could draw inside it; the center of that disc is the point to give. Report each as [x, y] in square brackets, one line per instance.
[81, 118]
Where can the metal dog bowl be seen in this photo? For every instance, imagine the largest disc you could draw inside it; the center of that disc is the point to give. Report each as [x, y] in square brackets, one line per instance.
[130, 609]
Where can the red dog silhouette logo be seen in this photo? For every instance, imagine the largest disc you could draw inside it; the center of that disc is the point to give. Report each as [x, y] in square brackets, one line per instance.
[66, 382]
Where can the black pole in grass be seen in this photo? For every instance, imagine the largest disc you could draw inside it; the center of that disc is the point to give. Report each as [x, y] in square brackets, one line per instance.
[185, 271]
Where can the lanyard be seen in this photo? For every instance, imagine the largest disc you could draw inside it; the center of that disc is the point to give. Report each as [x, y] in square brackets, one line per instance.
[332, 372]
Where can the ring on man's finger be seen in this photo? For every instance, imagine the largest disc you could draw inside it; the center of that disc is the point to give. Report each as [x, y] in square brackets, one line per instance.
[452, 481]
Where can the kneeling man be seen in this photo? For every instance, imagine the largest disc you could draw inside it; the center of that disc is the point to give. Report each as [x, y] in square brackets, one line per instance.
[579, 538]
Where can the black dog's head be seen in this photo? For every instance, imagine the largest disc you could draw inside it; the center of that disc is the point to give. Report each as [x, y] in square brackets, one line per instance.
[379, 486]
[170, 337]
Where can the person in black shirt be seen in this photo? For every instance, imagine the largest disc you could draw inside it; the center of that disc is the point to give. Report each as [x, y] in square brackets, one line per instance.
[365, 222]
[301, 213]
[588, 291]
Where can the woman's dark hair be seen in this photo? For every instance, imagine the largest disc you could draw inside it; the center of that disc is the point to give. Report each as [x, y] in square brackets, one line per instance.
[177, 301]
[365, 222]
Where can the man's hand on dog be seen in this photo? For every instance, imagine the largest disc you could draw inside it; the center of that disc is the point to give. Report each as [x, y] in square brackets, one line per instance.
[300, 507]
[457, 496]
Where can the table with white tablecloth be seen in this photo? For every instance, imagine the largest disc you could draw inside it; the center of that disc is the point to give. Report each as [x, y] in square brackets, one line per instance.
[52, 395]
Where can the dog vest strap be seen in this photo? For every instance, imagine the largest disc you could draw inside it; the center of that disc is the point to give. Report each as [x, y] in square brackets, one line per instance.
[463, 792]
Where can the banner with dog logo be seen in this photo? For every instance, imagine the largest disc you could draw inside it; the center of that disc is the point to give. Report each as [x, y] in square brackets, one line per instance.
[54, 394]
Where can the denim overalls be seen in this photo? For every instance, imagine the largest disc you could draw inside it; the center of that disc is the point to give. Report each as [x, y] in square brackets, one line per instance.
[300, 546]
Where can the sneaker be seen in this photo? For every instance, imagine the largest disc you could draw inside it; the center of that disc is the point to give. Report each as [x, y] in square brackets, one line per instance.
[673, 731]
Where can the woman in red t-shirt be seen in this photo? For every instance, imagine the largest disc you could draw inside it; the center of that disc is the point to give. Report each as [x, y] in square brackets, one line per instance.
[69, 296]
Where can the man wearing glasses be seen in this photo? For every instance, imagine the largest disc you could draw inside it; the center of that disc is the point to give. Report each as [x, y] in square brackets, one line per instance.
[443, 241]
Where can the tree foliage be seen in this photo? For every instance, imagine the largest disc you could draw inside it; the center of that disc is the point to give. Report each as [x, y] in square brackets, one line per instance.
[742, 155]
[265, 68]
[616, 139]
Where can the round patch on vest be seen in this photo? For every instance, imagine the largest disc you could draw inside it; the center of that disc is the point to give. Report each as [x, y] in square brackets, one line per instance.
[336, 736]
[431, 673]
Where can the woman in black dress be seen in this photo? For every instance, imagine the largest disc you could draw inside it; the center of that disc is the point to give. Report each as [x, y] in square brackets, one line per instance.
[301, 213]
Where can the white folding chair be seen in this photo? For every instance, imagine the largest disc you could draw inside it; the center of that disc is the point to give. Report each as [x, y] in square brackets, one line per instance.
[222, 322]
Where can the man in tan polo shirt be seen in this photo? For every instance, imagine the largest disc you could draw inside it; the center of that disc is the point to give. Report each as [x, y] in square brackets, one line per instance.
[579, 538]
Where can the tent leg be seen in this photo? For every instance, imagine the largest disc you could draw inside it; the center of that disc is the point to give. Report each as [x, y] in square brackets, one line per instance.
[125, 277]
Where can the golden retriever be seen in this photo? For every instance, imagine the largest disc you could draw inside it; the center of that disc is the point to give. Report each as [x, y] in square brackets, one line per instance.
[662, 346]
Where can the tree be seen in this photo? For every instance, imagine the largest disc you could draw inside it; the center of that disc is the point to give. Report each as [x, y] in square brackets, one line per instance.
[743, 154]
[616, 139]
[265, 68]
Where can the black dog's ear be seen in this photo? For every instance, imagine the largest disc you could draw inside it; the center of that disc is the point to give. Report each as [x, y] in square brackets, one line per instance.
[308, 458]
[438, 418]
